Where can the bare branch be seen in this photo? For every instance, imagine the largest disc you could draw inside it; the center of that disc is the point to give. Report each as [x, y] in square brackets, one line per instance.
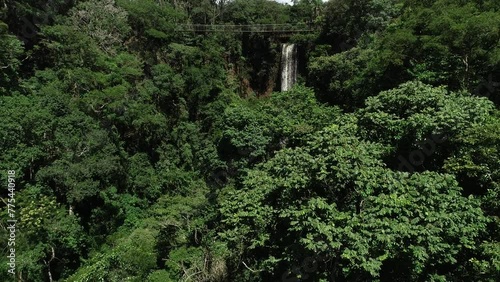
[250, 268]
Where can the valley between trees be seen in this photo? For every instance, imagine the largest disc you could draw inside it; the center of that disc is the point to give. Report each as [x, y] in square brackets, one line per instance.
[146, 153]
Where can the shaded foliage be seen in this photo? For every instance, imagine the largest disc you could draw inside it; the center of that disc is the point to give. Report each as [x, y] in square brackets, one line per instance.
[147, 154]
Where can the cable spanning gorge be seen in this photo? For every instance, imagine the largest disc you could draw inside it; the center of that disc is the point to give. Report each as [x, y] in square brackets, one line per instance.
[244, 28]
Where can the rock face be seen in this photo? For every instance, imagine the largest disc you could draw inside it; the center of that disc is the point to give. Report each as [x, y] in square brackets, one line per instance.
[288, 66]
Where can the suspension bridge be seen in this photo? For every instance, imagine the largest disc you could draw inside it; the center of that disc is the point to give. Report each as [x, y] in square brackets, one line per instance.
[245, 28]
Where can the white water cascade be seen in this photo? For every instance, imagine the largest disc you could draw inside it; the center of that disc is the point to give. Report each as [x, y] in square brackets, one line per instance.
[288, 66]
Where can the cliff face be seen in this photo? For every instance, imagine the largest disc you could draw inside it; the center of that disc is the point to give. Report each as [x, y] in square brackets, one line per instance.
[258, 69]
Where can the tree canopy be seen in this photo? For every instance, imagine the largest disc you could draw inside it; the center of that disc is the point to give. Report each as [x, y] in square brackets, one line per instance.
[143, 152]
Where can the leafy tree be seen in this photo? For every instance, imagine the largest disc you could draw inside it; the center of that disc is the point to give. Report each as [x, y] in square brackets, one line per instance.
[439, 43]
[132, 258]
[151, 20]
[345, 21]
[475, 162]
[11, 50]
[419, 117]
[102, 21]
[49, 242]
[255, 12]
[336, 78]
[336, 200]
[254, 132]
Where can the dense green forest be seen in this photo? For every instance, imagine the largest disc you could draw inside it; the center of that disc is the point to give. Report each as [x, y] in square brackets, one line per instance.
[146, 153]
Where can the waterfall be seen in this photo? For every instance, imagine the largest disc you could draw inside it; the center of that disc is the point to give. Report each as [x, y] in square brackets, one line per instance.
[288, 66]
